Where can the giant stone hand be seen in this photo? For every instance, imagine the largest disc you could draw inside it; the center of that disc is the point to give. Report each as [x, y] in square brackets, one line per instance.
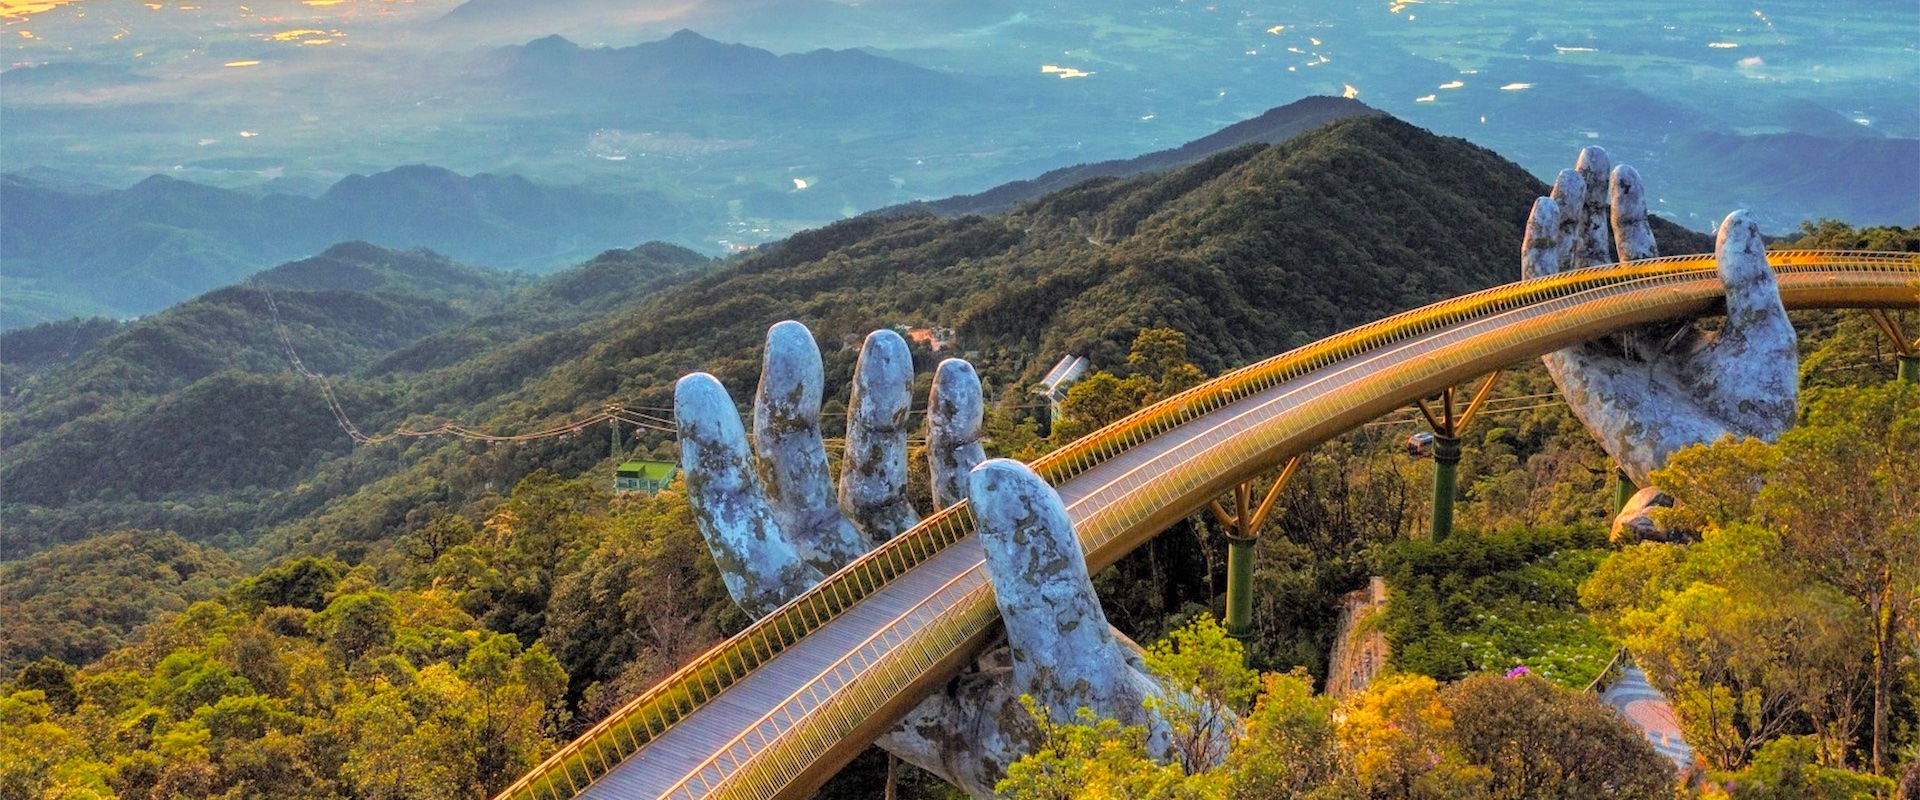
[773, 538]
[1648, 391]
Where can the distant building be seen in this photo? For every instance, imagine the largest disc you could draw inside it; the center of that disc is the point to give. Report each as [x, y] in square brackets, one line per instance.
[1054, 385]
[936, 339]
[644, 476]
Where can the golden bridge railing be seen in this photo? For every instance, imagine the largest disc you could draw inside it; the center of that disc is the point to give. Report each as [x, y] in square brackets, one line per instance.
[577, 764]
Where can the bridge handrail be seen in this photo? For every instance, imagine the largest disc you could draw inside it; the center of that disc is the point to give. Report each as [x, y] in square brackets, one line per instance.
[577, 764]
[1613, 666]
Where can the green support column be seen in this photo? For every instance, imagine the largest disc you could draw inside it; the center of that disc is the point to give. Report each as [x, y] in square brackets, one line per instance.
[1623, 490]
[1239, 586]
[1446, 458]
[1910, 369]
[1243, 531]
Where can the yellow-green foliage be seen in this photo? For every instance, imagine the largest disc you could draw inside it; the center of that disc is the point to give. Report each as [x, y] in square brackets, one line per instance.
[1786, 618]
[1406, 738]
[315, 679]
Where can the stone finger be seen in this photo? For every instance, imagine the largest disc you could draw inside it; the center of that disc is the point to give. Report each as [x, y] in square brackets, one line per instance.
[1633, 240]
[1595, 245]
[873, 477]
[1540, 251]
[955, 409]
[786, 438]
[1632, 234]
[1751, 368]
[1064, 653]
[1570, 193]
[759, 566]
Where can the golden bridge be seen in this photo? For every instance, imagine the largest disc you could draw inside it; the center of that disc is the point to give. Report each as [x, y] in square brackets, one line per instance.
[779, 708]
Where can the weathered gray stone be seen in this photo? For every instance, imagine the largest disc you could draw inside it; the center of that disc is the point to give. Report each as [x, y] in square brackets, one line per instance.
[1646, 392]
[1594, 246]
[1542, 252]
[1632, 235]
[1635, 523]
[955, 409]
[1064, 653]
[759, 565]
[1750, 371]
[1633, 240]
[786, 438]
[1570, 194]
[873, 477]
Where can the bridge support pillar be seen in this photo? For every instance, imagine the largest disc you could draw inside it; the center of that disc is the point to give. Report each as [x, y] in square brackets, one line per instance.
[1906, 354]
[1446, 462]
[1240, 586]
[1447, 427]
[1243, 532]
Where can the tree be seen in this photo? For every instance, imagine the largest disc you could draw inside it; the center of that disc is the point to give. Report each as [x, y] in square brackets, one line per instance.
[1289, 752]
[357, 625]
[1159, 355]
[1846, 498]
[516, 702]
[1840, 509]
[1399, 735]
[1094, 403]
[52, 677]
[1096, 759]
[41, 758]
[1742, 641]
[442, 533]
[646, 599]
[1538, 740]
[1719, 483]
[1787, 768]
[1201, 659]
[300, 583]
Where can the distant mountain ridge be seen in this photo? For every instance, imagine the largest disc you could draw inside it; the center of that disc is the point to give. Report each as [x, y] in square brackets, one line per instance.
[1273, 127]
[1796, 171]
[71, 252]
[688, 68]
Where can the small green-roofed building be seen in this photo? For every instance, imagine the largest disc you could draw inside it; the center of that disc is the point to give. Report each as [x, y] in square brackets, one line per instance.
[644, 476]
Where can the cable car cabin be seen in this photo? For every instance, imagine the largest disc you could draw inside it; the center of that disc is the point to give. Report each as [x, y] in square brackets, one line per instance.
[644, 476]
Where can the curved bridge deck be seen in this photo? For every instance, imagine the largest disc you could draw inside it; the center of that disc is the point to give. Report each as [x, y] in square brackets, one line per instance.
[777, 709]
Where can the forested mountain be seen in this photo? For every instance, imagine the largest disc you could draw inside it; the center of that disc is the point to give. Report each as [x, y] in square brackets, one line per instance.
[77, 603]
[1248, 252]
[203, 400]
[74, 252]
[1273, 127]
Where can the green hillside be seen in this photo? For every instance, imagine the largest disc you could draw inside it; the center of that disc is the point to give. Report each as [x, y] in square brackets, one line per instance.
[1248, 252]
[195, 419]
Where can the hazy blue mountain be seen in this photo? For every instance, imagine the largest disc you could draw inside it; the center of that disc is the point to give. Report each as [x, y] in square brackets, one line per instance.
[1796, 175]
[69, 74]
[69, 252]
[702, 78]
